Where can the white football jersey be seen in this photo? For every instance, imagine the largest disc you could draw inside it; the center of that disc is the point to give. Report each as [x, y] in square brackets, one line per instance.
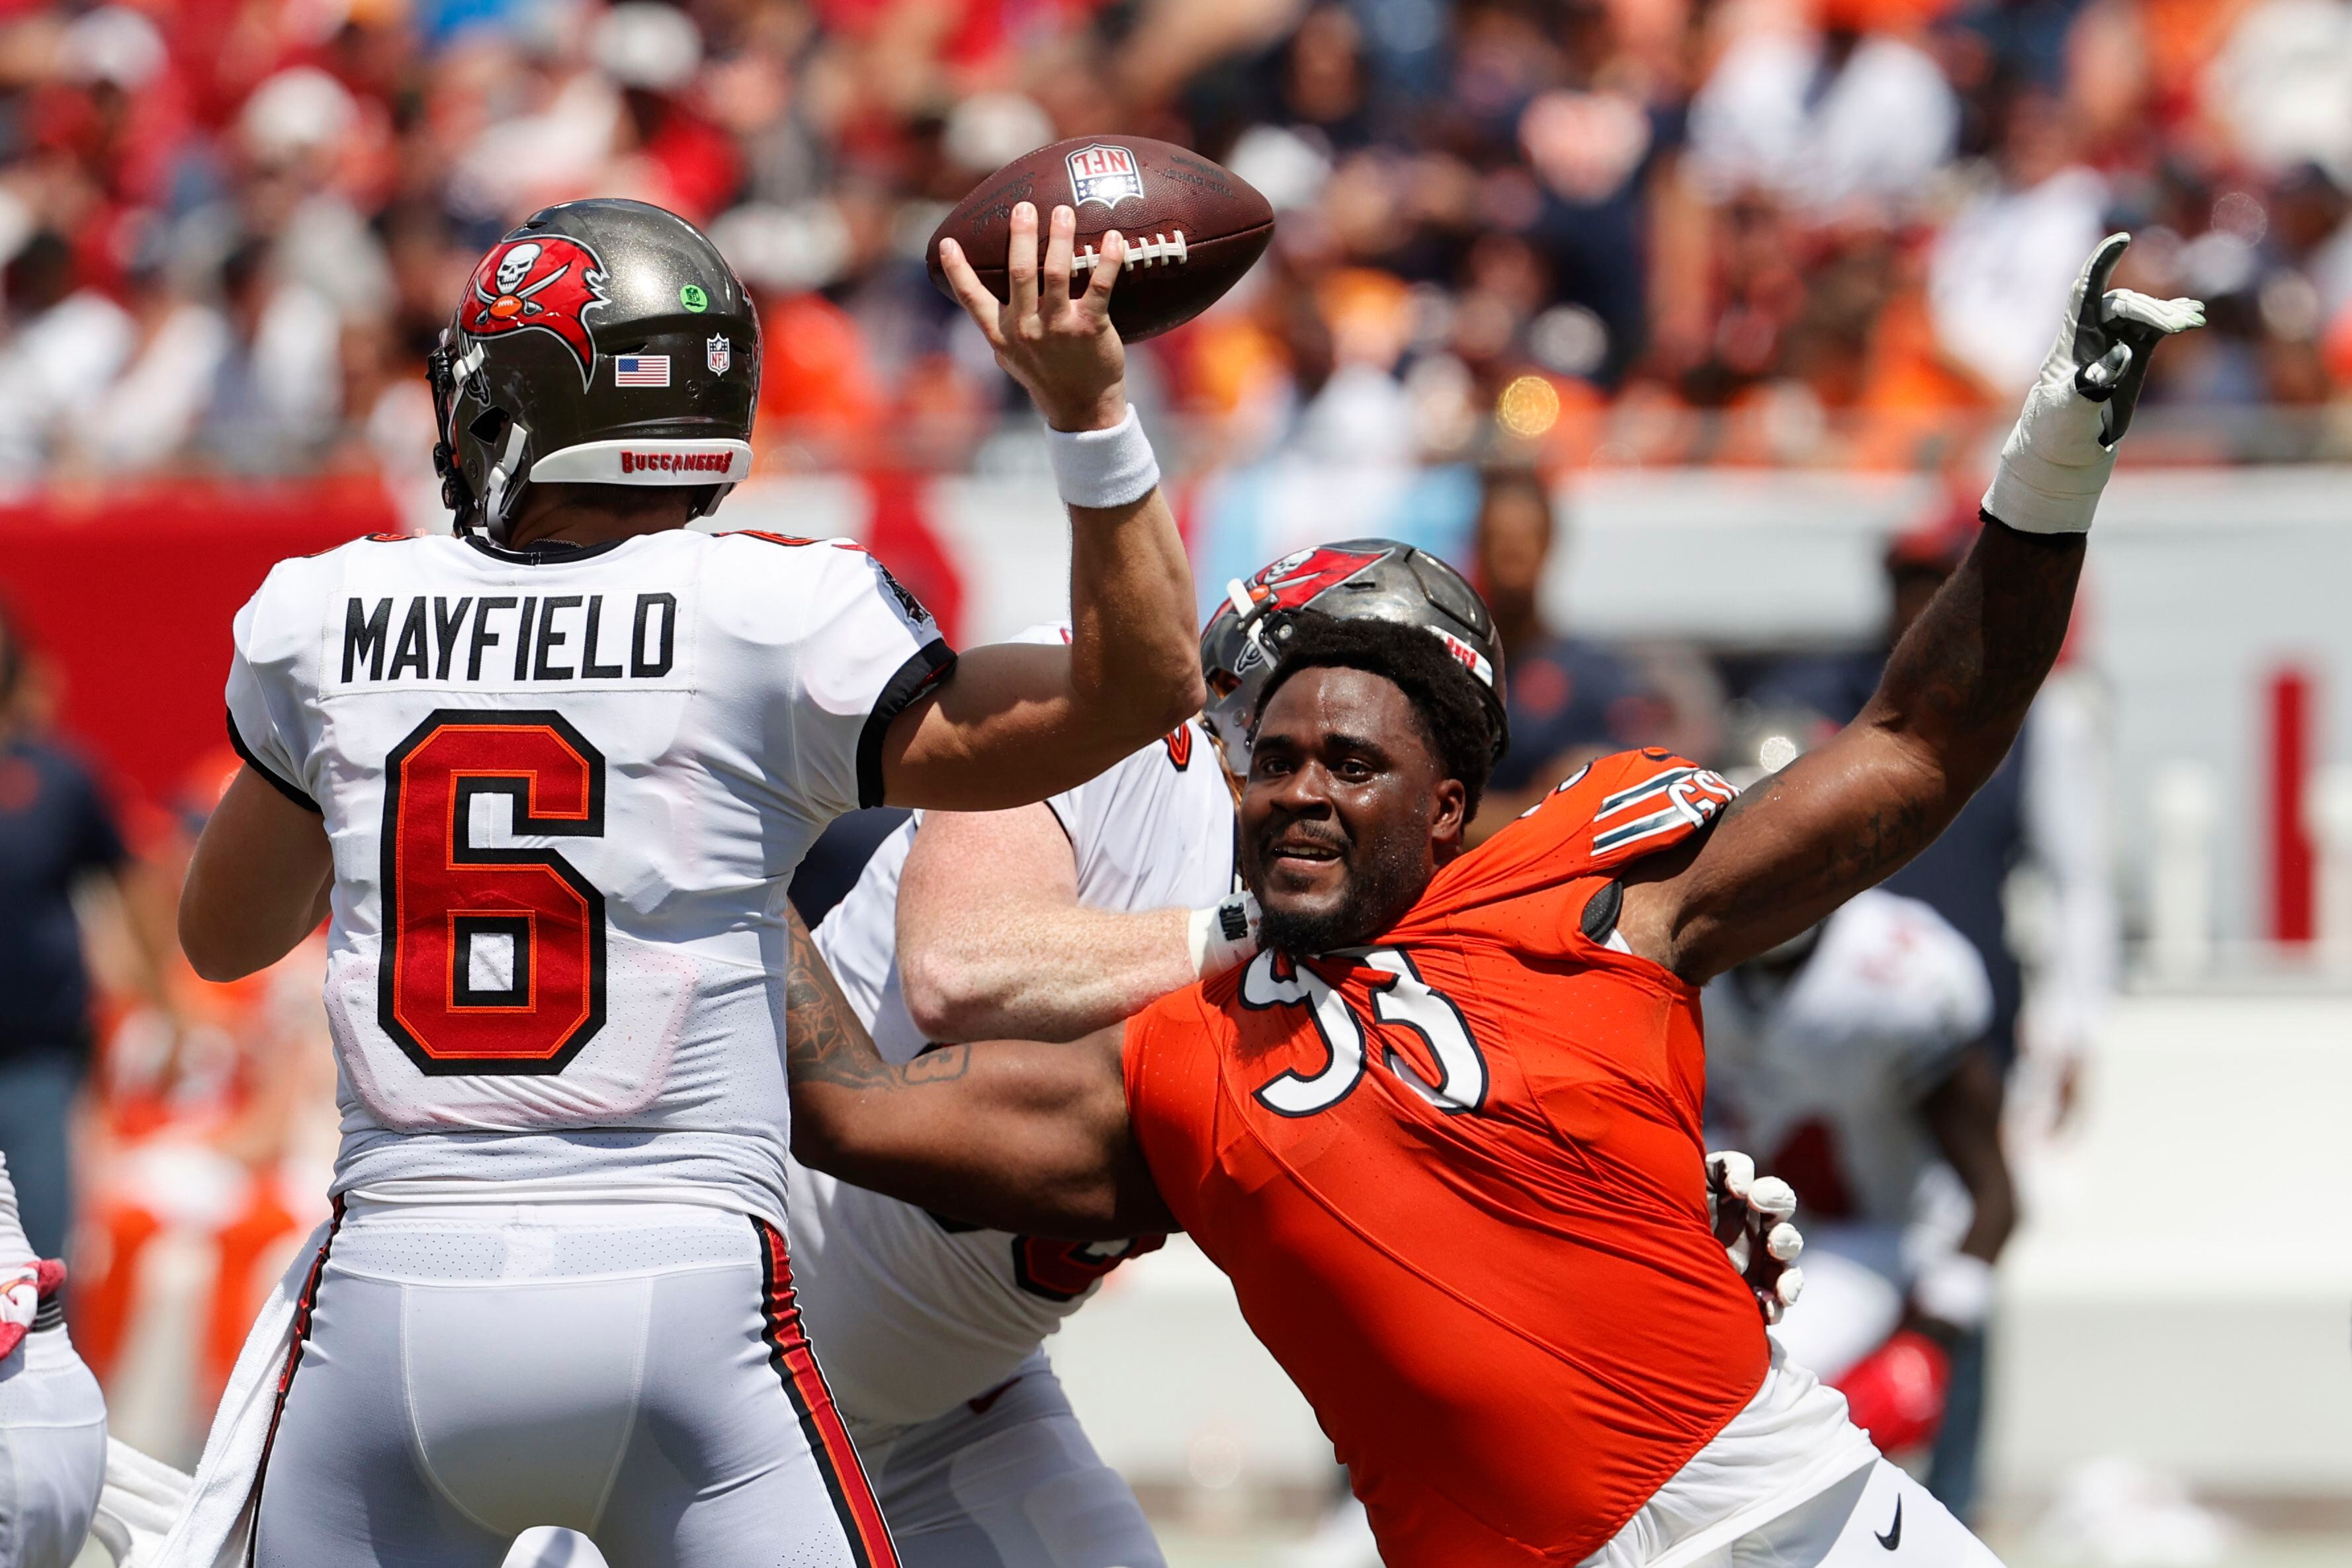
[1820, 1078]
[565, 790]
[917, 1314]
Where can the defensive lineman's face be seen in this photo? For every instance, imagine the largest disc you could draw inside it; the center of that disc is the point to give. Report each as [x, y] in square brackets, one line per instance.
[1348, 811]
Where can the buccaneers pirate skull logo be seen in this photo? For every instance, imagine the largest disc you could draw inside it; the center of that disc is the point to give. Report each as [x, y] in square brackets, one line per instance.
[546, 285]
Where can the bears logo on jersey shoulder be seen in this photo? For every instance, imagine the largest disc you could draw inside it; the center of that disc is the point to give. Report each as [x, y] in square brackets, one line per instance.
[546, 285]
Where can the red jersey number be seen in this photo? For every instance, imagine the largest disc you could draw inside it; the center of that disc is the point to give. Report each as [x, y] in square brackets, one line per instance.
[1065, 1271]
[493, 955]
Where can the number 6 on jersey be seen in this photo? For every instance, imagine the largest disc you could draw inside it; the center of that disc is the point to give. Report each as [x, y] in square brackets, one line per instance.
[493, 957]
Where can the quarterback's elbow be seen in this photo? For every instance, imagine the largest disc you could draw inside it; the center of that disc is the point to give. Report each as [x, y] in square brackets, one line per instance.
[1187, 694]
[211, 948]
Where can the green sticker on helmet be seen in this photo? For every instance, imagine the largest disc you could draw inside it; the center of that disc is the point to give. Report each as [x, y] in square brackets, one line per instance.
[692, 296]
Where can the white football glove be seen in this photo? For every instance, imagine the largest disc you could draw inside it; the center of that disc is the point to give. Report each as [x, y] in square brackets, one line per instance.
[23, 1289]
[1750, 1214]
[2057, 458]
[1223, 934]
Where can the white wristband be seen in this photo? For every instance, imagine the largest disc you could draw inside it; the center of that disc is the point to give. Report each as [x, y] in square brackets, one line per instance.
[1223, 934]
[1956, 1288]
[1103, 469]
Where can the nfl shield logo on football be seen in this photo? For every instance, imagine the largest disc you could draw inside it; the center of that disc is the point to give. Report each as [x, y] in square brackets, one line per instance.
[1104, 173]
[721, 354]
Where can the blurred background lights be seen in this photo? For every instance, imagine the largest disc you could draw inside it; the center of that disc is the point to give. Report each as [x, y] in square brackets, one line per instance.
[1528, 406]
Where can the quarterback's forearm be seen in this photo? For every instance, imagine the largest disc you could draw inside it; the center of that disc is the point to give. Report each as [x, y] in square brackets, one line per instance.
[1135, 651]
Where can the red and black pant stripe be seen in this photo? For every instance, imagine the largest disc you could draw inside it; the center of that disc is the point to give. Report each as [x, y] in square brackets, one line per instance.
[304, 1305]
[828, 1439]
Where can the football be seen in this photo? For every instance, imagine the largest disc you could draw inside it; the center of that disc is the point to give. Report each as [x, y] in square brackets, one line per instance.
[1191, 227]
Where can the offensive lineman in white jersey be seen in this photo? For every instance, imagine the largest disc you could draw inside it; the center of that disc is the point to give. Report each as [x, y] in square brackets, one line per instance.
[1049, 922]
[931, 1328]
[549, 779]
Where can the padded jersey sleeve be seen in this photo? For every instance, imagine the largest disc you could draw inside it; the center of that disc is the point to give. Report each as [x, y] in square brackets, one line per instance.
[267, 722]
[1531, 886]
[1603, 816]
[864, 650]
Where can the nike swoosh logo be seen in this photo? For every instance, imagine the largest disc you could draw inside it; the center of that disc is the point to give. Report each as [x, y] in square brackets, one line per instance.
[1893, 1536]
[980, 1406]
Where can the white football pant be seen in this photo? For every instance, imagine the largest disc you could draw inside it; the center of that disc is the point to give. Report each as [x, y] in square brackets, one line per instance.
[1876, 1517]
[1008, 1480]
[632, 1371]
[52, 1452]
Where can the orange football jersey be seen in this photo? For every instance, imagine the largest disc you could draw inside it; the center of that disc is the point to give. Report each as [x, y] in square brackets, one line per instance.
[1457, 1180]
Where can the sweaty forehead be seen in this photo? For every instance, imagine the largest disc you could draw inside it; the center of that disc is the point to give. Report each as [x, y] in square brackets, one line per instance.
[1317, 704]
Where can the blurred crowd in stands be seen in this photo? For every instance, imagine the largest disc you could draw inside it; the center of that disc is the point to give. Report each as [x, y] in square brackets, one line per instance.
[1588, 230]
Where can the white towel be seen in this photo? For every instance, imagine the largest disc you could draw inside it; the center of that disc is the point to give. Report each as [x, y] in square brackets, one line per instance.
[141, 1503]
[217, 1528]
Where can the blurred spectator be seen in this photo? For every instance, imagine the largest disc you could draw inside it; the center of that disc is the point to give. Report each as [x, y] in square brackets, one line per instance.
[2003, 265]
[1839, 227]
[55, 832]
[68, 344]
[274, 389]
[1822, 117]
[1569, 699]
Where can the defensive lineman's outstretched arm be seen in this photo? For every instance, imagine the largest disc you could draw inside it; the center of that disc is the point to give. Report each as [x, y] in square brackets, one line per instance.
[1015, 723]
[1009, 1134]
[1846, 815]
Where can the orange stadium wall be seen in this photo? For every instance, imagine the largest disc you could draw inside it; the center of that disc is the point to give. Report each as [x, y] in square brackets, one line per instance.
[126, 599]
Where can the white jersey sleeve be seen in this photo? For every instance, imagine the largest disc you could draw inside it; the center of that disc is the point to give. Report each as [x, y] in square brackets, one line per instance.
[269, 723]
[1897, 962]
[863, 650]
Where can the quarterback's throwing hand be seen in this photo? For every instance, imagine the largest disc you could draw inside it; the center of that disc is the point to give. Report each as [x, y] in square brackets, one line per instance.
[2057, 459]
[1751, 1219]
[1063, 351]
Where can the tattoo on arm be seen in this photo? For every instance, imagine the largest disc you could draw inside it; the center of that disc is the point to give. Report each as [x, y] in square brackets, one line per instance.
[825, 1042]
[1873, 845]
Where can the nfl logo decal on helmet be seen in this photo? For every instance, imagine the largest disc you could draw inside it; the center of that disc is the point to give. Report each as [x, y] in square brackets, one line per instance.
[1103, 172]
[720, 354]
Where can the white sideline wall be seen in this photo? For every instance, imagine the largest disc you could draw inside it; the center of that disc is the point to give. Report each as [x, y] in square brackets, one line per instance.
[2182, 1292]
